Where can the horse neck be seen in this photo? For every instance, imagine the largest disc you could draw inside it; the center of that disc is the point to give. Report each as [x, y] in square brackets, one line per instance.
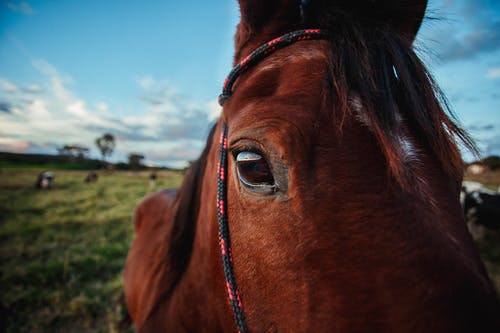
[199, 300]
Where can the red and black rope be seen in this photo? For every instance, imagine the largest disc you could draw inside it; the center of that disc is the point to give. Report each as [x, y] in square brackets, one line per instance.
[224, 238]
[263, 51]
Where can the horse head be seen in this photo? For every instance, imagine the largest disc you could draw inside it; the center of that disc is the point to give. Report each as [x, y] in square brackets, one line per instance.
[340, 183]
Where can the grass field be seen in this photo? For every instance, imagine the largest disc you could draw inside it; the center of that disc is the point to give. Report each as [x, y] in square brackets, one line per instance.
[62, 251]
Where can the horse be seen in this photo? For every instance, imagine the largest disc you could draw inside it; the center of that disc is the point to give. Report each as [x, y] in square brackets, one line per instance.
[326, 198]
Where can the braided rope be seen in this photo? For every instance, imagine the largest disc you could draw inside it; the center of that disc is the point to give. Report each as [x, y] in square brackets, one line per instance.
[224, 238]
[263, 51]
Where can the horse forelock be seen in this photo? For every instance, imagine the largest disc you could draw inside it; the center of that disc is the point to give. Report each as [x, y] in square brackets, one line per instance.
[397, 97]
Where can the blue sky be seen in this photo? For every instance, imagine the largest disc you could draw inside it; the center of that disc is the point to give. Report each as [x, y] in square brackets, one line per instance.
[150, 72]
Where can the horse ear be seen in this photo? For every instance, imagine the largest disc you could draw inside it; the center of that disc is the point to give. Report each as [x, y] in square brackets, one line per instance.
[265, 19]
[404, 16]
[268, 14]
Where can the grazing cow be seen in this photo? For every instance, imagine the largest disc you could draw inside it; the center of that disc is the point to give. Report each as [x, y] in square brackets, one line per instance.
[152, 180]
[45, 180]
[481, 206]
[91, 177]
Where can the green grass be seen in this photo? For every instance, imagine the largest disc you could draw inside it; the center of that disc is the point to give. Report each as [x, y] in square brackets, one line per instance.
[62, 251]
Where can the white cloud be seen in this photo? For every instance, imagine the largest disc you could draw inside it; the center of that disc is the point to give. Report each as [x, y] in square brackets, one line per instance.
[167, 129]
[38, 110]
[102, 106]
[20, 7]
[215, 110]
[57, 81]
[146, 81]
[8, 86]
[493, 73]
[458, 30]
[33, 88]
[12, 145]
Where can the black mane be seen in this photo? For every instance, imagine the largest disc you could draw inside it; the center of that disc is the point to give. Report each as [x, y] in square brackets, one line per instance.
[379, 63]
[179, 245]
[187, 204]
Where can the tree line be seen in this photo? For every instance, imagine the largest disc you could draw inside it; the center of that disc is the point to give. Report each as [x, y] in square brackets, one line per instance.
[106, 145]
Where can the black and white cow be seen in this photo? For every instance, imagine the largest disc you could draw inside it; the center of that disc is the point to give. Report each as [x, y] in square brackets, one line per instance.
[481, 207]
[45, 180]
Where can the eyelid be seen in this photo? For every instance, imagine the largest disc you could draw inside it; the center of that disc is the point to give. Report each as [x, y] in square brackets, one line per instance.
[247, 145]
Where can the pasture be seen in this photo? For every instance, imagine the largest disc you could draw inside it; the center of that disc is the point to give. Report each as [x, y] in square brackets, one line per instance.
[62, 250]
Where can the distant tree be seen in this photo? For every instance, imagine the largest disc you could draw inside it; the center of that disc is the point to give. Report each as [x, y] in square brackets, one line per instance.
[73, 151]
[106, 145]
[134, 161]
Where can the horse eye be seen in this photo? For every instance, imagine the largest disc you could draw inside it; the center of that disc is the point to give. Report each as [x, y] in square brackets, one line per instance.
[254, 172]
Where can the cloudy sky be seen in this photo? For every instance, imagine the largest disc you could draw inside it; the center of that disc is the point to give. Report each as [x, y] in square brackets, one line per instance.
[150, 72]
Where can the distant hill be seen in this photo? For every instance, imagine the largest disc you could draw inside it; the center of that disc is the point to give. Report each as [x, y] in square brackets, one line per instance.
[60, 162]
[37, 161]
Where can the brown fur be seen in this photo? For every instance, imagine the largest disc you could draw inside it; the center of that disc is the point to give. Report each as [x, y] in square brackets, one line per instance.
[357, 239]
